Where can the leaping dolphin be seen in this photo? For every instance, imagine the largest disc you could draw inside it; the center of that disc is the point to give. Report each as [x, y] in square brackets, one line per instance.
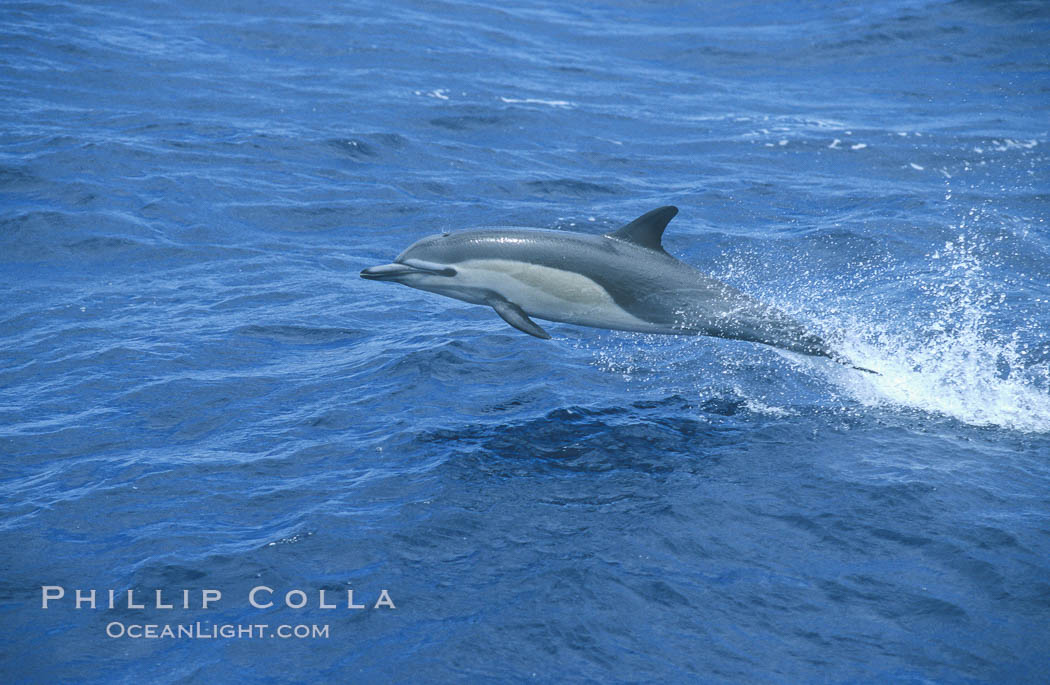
[623, 280]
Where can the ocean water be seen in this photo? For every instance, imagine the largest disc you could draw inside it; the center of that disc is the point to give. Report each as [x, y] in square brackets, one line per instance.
[198, 393]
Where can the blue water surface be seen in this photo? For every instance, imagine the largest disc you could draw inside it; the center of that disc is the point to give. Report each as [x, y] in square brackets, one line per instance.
[199, 393]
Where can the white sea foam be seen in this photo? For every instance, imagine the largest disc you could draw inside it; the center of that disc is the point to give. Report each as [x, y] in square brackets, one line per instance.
[952, 360]
[536, 101]
[438, 93]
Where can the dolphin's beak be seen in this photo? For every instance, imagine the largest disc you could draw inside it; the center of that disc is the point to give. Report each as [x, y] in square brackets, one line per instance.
[391, 272]
[387, 272]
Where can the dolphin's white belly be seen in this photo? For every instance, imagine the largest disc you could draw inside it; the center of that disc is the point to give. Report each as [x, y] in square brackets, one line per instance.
[548, 293]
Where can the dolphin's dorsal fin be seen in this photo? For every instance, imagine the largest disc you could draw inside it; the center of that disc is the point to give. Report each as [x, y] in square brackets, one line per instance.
[648, 229]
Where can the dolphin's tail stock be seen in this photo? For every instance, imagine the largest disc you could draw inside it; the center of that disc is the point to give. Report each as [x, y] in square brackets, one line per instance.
[838, 358]
[770, 326]
[812, 344]
[861, 368]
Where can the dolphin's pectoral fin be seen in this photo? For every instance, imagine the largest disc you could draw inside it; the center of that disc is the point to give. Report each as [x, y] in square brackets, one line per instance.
[516, 316]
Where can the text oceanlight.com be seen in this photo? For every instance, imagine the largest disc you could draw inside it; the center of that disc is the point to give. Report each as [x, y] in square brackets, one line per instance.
[226, 631]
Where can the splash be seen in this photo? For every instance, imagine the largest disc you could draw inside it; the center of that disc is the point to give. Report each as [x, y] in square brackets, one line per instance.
[950, 355]
[941, 331]
[960, 332]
